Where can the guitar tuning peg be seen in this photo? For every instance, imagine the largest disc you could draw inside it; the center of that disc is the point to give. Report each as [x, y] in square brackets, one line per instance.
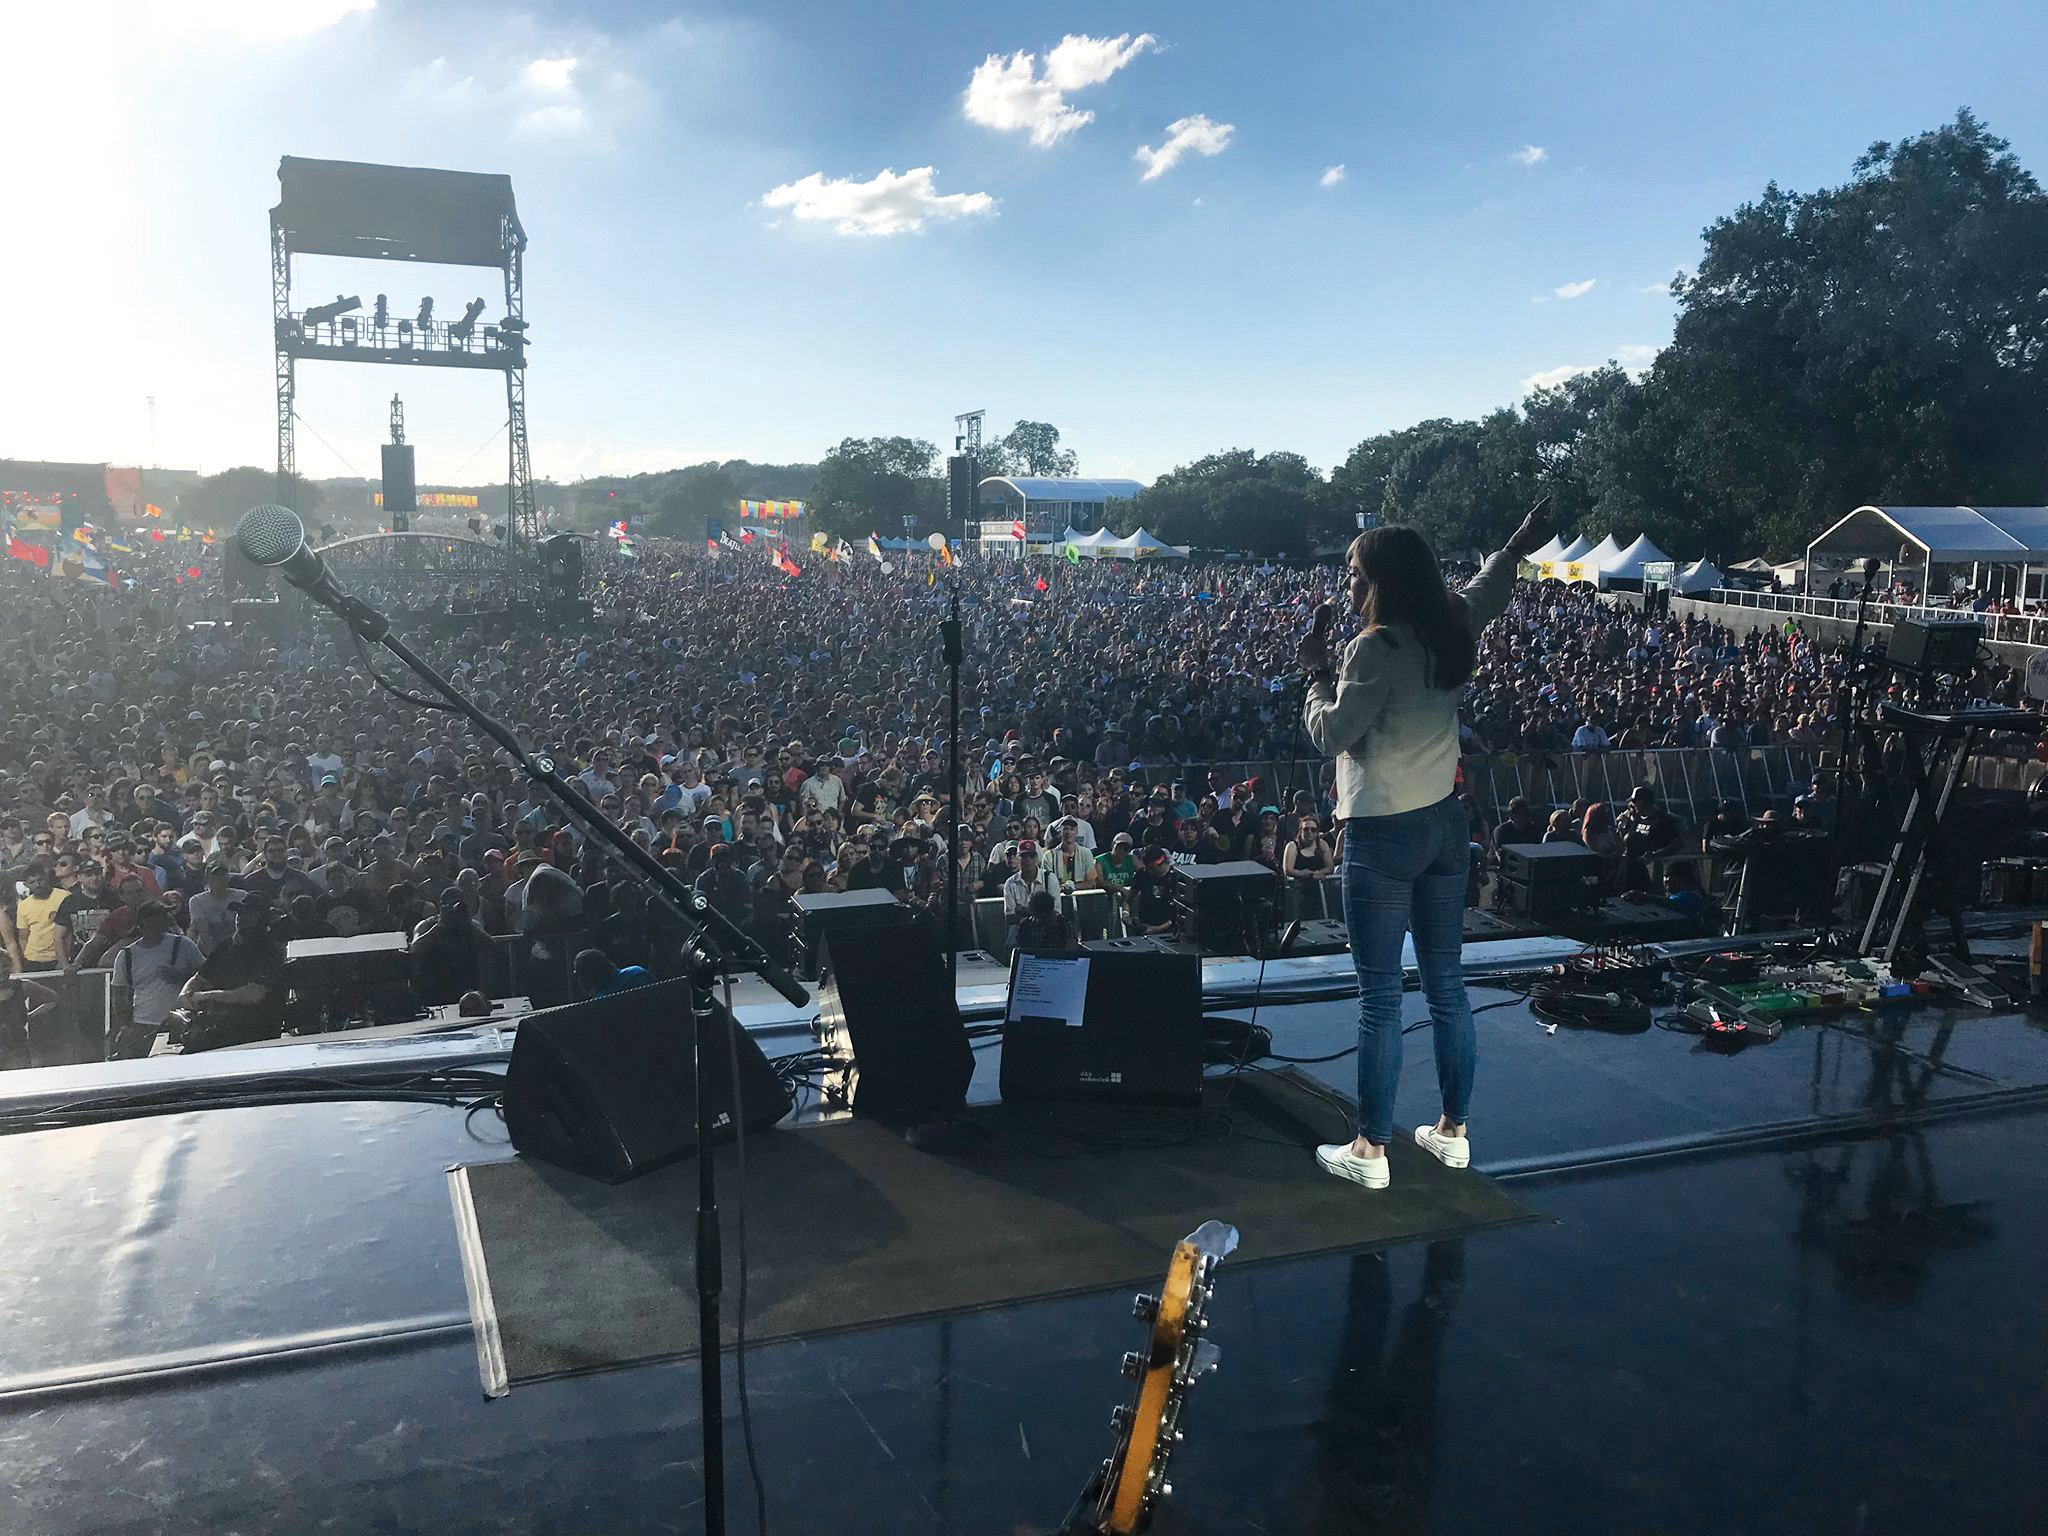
[1166, 1490]
[1134, 1365]
[1119, 1416]
[1145, 1307]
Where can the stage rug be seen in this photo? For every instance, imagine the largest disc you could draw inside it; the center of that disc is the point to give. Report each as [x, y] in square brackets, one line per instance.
[849, 1227]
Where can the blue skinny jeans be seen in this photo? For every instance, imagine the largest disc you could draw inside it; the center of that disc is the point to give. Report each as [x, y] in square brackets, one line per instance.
[1408, 873]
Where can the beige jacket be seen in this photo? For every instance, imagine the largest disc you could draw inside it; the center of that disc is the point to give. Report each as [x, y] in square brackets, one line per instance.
[1395, 738]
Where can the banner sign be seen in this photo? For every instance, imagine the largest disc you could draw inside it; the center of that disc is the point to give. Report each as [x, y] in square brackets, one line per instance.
[766, 511]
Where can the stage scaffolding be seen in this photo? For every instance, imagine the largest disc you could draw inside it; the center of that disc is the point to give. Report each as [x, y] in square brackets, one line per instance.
[400, 213]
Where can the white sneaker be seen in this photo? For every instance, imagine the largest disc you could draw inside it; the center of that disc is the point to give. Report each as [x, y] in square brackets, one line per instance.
[1451, 1151]
[1338, 1158]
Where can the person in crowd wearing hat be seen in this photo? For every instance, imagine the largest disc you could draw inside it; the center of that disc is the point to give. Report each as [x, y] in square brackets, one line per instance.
[1072, 865]
[1031, 875]
[1117, 868]
[149, 974]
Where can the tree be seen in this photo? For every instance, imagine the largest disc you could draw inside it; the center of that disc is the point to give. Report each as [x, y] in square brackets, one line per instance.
[870, 484]
[1263, 504]
[696, 498]
[217, 500]
[1881, 341]
[1033, 448]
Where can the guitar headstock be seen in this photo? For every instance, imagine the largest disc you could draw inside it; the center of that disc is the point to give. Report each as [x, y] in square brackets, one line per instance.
[1176, 1355]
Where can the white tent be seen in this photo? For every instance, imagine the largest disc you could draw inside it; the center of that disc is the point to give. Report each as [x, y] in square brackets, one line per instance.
[1579, 563]
[1089, 545]
[1552, 565]
[1627, 564]
[1141, 546]
[1552, 549]
[1700, 576]
[1576, 550]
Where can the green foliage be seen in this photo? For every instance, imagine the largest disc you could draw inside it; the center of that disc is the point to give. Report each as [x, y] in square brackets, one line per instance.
[217, 500]
[1269, 504]
[1884, 341]
[1030, 448]
[869, 484]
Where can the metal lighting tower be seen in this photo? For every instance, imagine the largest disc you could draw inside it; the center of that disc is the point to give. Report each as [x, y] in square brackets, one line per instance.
[400, 213]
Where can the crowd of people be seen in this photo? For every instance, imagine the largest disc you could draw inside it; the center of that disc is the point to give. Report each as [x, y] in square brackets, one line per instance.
[179, 799]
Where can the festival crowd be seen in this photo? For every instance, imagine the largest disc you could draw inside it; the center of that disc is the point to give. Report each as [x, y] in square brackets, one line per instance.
[179, 799]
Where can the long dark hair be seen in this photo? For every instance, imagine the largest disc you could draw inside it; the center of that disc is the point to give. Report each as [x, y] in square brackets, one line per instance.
[1404, 586]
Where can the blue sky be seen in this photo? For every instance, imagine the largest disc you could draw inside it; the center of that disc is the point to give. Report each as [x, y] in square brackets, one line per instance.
[716, 270]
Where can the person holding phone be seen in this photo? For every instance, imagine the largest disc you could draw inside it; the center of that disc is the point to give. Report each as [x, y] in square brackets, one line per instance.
[1388, 713]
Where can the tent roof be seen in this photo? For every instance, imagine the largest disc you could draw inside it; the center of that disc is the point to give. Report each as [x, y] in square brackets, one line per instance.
[1699, 577]
[1643, 551]
[1943, 535]
[1066, 487]
[1551, 549]
[1600, 554]
[1576, 550]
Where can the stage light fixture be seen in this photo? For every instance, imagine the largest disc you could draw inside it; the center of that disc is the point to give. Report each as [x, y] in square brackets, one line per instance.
[321, 314]
[383, 312]
[426, 318]
[348, 332]
[464, 328]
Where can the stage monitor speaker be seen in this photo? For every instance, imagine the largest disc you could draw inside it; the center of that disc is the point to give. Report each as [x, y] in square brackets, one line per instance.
[1934, 647]
[607, 1088]
[824, 913]
[888, 991]
[1138, 1039]
[401, 491]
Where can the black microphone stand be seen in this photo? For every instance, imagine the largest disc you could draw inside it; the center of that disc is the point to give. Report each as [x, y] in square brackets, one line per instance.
[949, 633]
[1848, 702]
[711, 943]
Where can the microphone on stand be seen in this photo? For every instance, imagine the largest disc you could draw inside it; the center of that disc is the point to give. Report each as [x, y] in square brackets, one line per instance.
[274, 538]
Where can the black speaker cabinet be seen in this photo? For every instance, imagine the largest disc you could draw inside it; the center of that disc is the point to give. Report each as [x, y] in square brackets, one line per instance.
[606, 1088]
[825, 913]
[889, 993]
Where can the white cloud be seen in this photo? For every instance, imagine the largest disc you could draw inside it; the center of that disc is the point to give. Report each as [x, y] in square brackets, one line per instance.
[1012, 95]
[1195, 133]
[1574, 290]
[1078, 62]
[1635, 358]
[1550, 378]
[1683, 274]
[1331, 176]
[887, 204]
[253, 18]
[563, 120]
[550, 74]
[1530, 154]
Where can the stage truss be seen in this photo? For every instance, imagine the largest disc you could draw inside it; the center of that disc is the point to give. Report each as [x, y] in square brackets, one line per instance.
[394, 213]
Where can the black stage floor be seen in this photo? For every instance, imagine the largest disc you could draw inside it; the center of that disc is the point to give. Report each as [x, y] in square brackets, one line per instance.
[1793, 1290]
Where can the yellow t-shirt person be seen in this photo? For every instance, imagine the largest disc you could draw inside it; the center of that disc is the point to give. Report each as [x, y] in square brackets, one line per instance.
[36, 919]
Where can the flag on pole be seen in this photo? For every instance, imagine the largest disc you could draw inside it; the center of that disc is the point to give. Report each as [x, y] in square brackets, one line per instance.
[1073, 555]
[946, 553]
[782, 562]
[1017, 531]
[843, 552]
[34, 554]
[819, 543]
[711, 547]
[931, 577]
[1042, 584]
[874, 546]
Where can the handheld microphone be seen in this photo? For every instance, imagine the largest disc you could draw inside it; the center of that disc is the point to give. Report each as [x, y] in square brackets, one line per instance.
[274, 538]
[1326, 616]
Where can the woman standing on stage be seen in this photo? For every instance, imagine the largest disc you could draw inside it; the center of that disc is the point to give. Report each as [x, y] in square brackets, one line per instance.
[1389, 716]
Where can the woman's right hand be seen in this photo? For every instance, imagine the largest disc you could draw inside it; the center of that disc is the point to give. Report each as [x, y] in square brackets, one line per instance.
[1534, 532]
